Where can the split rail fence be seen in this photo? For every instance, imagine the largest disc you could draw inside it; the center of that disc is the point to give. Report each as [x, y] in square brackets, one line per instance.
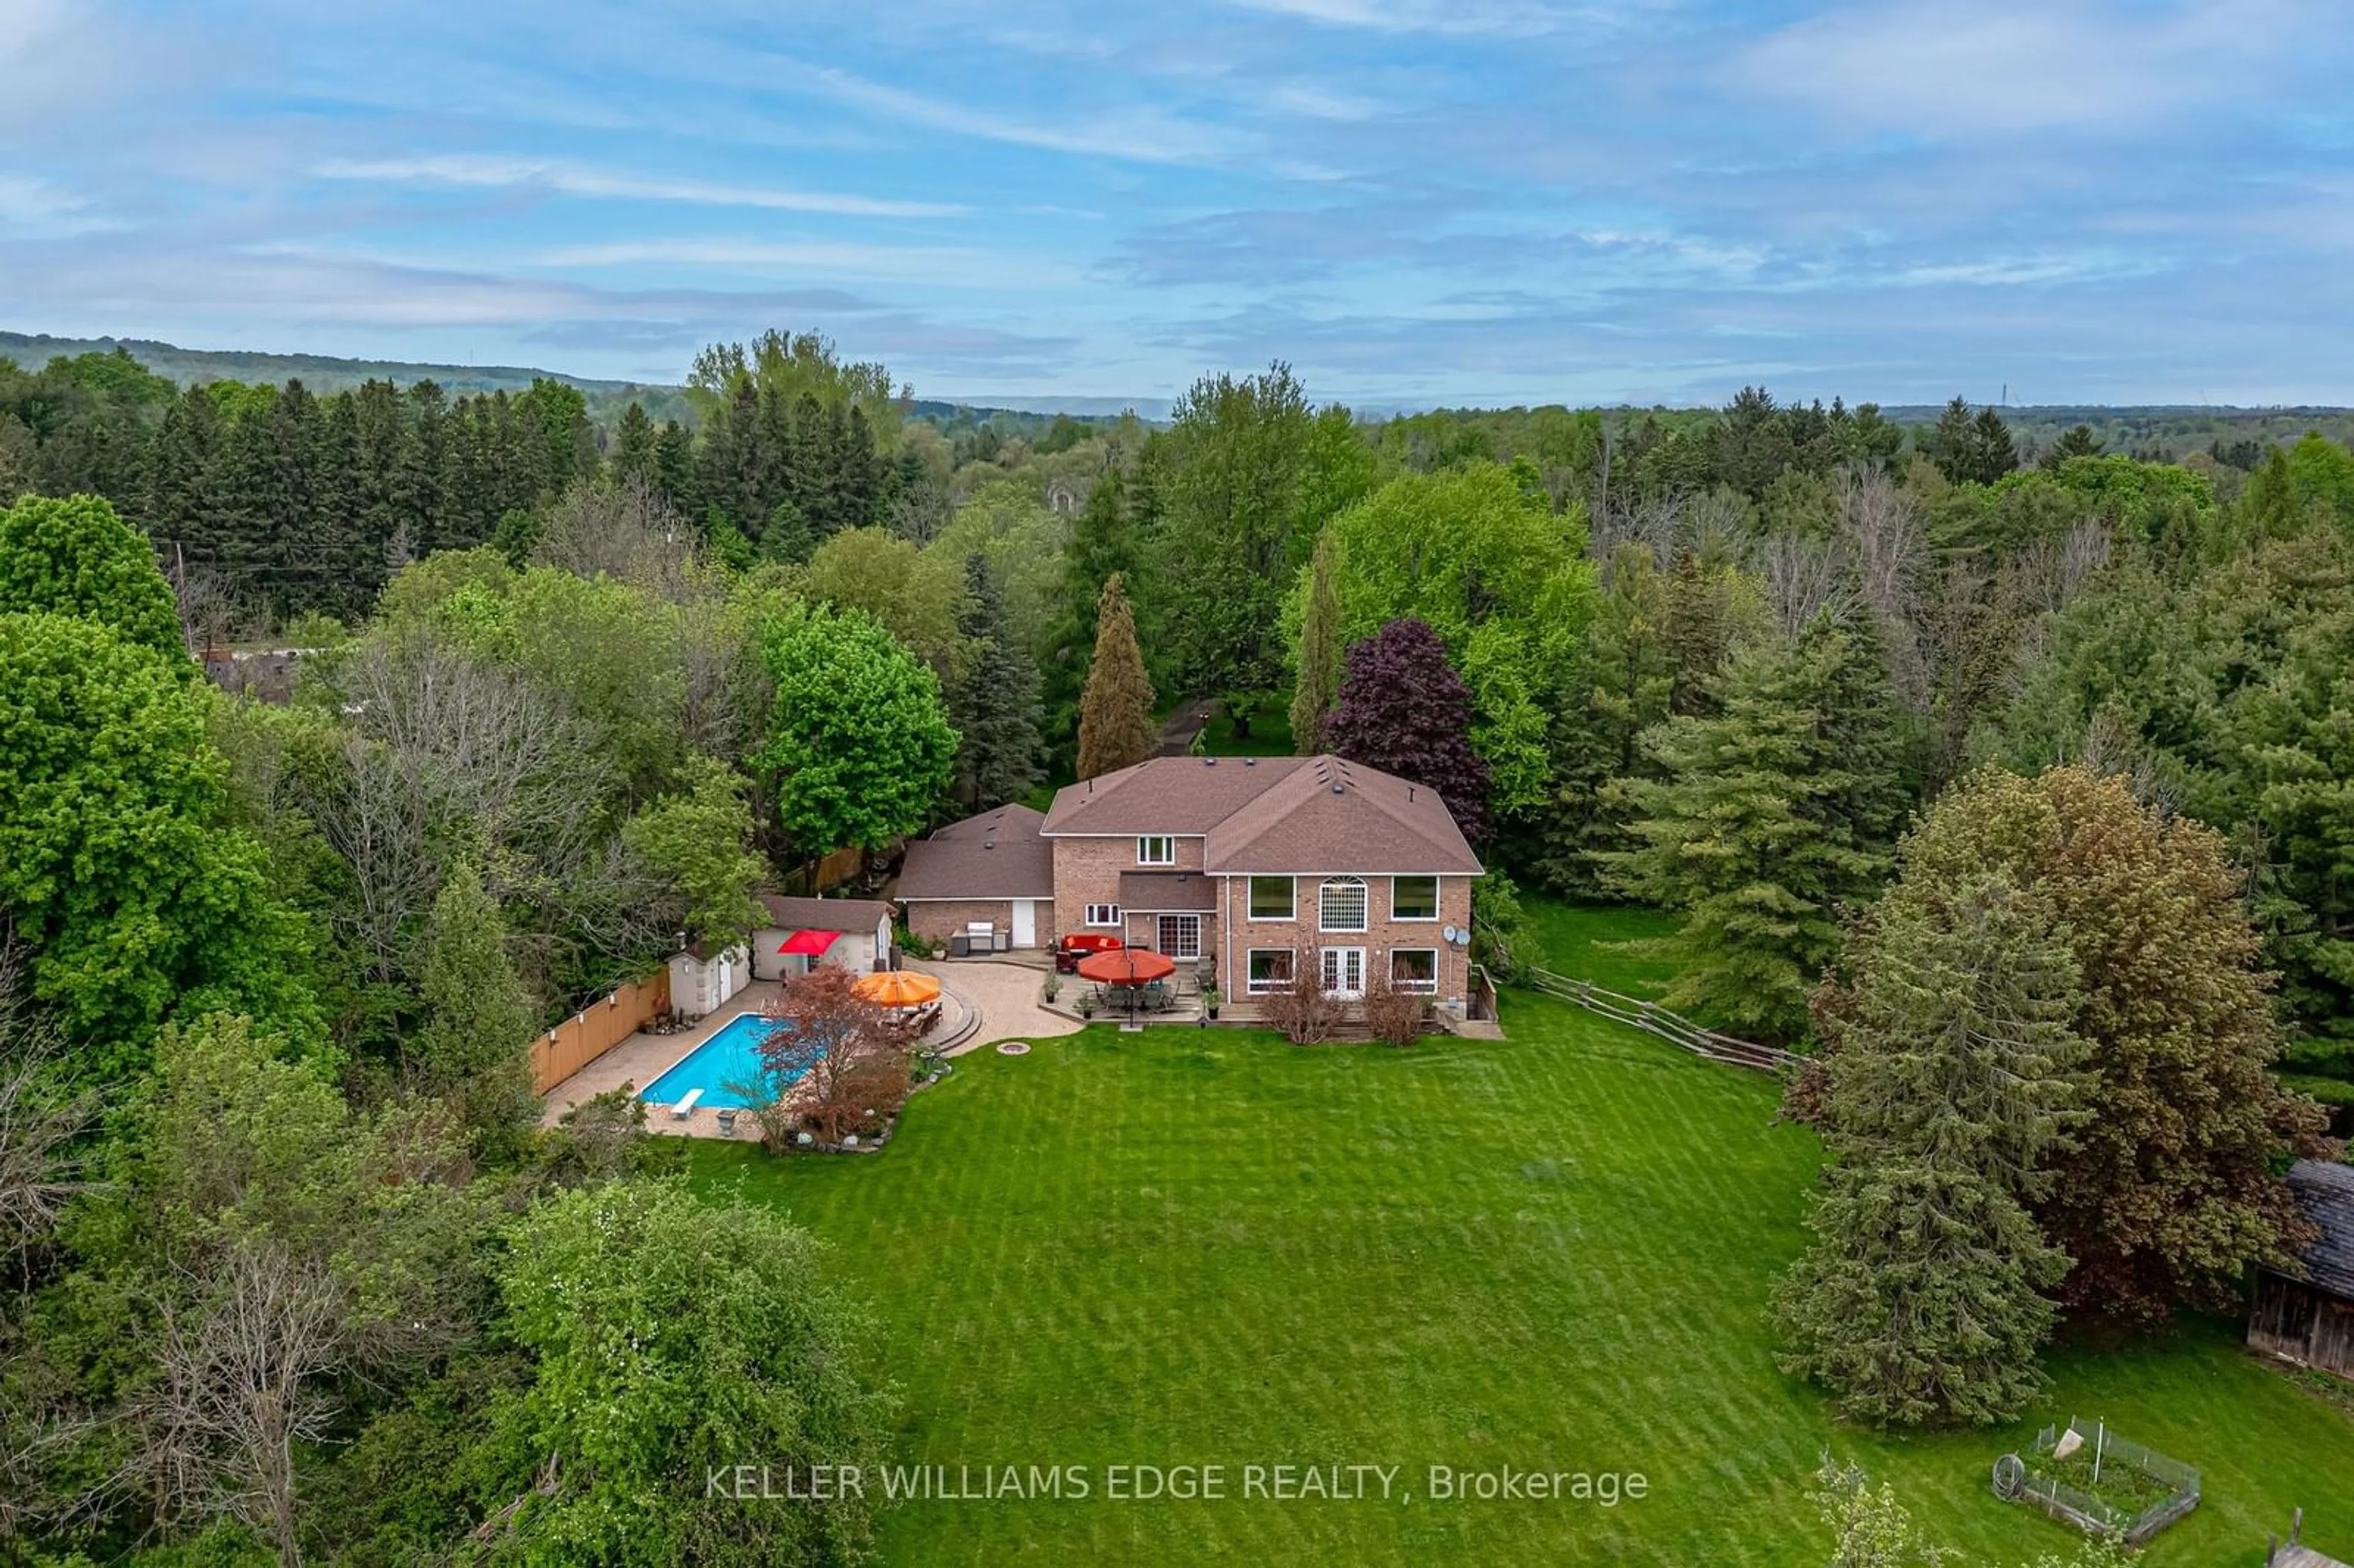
[1672, 1027]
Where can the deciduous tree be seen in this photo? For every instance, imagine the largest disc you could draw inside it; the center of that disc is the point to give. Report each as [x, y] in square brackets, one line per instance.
[2170, 1193]
[77, 558]
[1404, 709]
[859, 746]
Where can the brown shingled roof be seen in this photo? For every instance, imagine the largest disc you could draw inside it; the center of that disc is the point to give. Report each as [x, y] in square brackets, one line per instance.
[823, 914]
[1188, 795]
[1273, 814]
[1342, 816]
[997, 854]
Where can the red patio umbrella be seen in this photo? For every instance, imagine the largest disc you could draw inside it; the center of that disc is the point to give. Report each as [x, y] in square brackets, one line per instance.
[1127, 966]
[810, 942]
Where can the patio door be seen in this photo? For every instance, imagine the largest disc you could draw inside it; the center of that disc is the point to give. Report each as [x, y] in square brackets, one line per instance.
[1181, 936]
[1344, 972]
[1025, 923]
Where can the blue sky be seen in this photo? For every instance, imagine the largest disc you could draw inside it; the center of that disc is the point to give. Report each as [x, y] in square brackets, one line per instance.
[1413, 201]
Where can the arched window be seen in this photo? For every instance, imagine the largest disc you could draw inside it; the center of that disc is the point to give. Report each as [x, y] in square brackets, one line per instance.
[1341, 905]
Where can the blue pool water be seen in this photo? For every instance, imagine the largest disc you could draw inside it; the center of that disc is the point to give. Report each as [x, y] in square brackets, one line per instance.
[730, 1056]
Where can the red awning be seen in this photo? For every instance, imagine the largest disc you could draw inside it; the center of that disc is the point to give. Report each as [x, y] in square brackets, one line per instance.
[810, 942]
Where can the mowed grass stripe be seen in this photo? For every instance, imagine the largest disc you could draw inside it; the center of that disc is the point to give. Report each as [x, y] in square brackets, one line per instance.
[1554, 1250]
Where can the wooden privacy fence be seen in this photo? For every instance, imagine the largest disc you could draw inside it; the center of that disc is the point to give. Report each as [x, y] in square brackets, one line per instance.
[1672, 1027]
[596, 1029]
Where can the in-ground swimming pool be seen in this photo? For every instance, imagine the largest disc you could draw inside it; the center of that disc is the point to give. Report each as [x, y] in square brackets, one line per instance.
[730, 1056]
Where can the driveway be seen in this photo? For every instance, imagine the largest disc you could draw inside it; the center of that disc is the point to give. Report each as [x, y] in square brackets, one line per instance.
[1006, 995]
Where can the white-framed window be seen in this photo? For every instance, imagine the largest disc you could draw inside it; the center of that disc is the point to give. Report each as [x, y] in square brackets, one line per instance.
[1103, 913]
[1273, 898]
[1181, 936]
[1413, 898]
[1158, 850]
[1344, 972]
[1268, 969]
[1415, 970]
[1341, 905]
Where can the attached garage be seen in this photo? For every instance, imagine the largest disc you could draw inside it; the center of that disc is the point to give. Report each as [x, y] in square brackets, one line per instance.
[994, 873]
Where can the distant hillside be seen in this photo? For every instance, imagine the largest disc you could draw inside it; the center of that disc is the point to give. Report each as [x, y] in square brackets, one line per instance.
[2158, 430]
[319, 372]
[326, 373]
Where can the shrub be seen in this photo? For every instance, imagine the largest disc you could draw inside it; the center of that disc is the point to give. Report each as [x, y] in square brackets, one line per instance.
[1304, 1014]
[1395, 1017]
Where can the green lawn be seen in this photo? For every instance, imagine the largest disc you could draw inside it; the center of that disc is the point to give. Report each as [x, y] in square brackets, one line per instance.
[1552, 1253]
[1270, 732]
[1586, 942]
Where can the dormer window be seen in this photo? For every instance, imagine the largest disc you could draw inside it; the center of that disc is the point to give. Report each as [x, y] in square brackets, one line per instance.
[1156, 851]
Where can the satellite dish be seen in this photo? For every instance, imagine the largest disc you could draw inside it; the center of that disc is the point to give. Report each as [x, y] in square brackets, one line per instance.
[1447, 932]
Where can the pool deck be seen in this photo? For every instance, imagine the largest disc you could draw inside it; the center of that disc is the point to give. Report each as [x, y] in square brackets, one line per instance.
[642, 1058]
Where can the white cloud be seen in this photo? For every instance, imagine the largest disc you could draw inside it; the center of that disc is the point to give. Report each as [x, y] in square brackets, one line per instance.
[40, 207]
[1311, 102]
[1147, 137]
[2013, 67]
[495, 171]
[1494, 17]
[940, 266]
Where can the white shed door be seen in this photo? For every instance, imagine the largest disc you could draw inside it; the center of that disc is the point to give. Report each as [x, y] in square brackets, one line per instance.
[1025, 922]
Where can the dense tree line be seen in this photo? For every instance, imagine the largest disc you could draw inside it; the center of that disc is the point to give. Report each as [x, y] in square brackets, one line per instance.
[1997, 778]
[292, 1270]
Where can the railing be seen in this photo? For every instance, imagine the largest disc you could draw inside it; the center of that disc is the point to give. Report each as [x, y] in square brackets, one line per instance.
[1672, 1027]
[1479, 999]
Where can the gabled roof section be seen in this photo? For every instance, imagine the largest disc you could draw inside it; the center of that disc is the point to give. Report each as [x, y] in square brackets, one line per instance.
[997, 854]
[1273, 814]
[1334, 816]
[824, 914]
[1178, 795]
[2326, 1192]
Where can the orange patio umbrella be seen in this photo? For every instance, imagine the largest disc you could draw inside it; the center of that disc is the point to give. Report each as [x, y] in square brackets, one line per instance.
[897, 987]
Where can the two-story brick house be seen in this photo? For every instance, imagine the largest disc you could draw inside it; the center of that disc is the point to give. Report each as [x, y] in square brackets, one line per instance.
[1237, 867]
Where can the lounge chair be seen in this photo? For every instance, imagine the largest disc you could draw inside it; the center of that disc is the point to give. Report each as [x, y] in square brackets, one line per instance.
[678, 1112]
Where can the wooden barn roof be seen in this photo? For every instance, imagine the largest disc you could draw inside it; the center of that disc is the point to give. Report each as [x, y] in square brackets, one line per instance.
[2326, 1192]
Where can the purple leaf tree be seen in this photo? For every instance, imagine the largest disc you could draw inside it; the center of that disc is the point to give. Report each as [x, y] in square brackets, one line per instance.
[1404, 710]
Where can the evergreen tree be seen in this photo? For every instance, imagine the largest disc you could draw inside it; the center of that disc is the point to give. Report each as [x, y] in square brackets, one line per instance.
[994, 705]
[1952, 1079]
[420, 506]
[1769, 819]
[480, 1018]
[1116, 728]
[1404, 709]
[634, 443]
[1318, 683]
[674, 468]
[180, 504]
[1993, 451]
[1102, 543]
[1621, 683]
